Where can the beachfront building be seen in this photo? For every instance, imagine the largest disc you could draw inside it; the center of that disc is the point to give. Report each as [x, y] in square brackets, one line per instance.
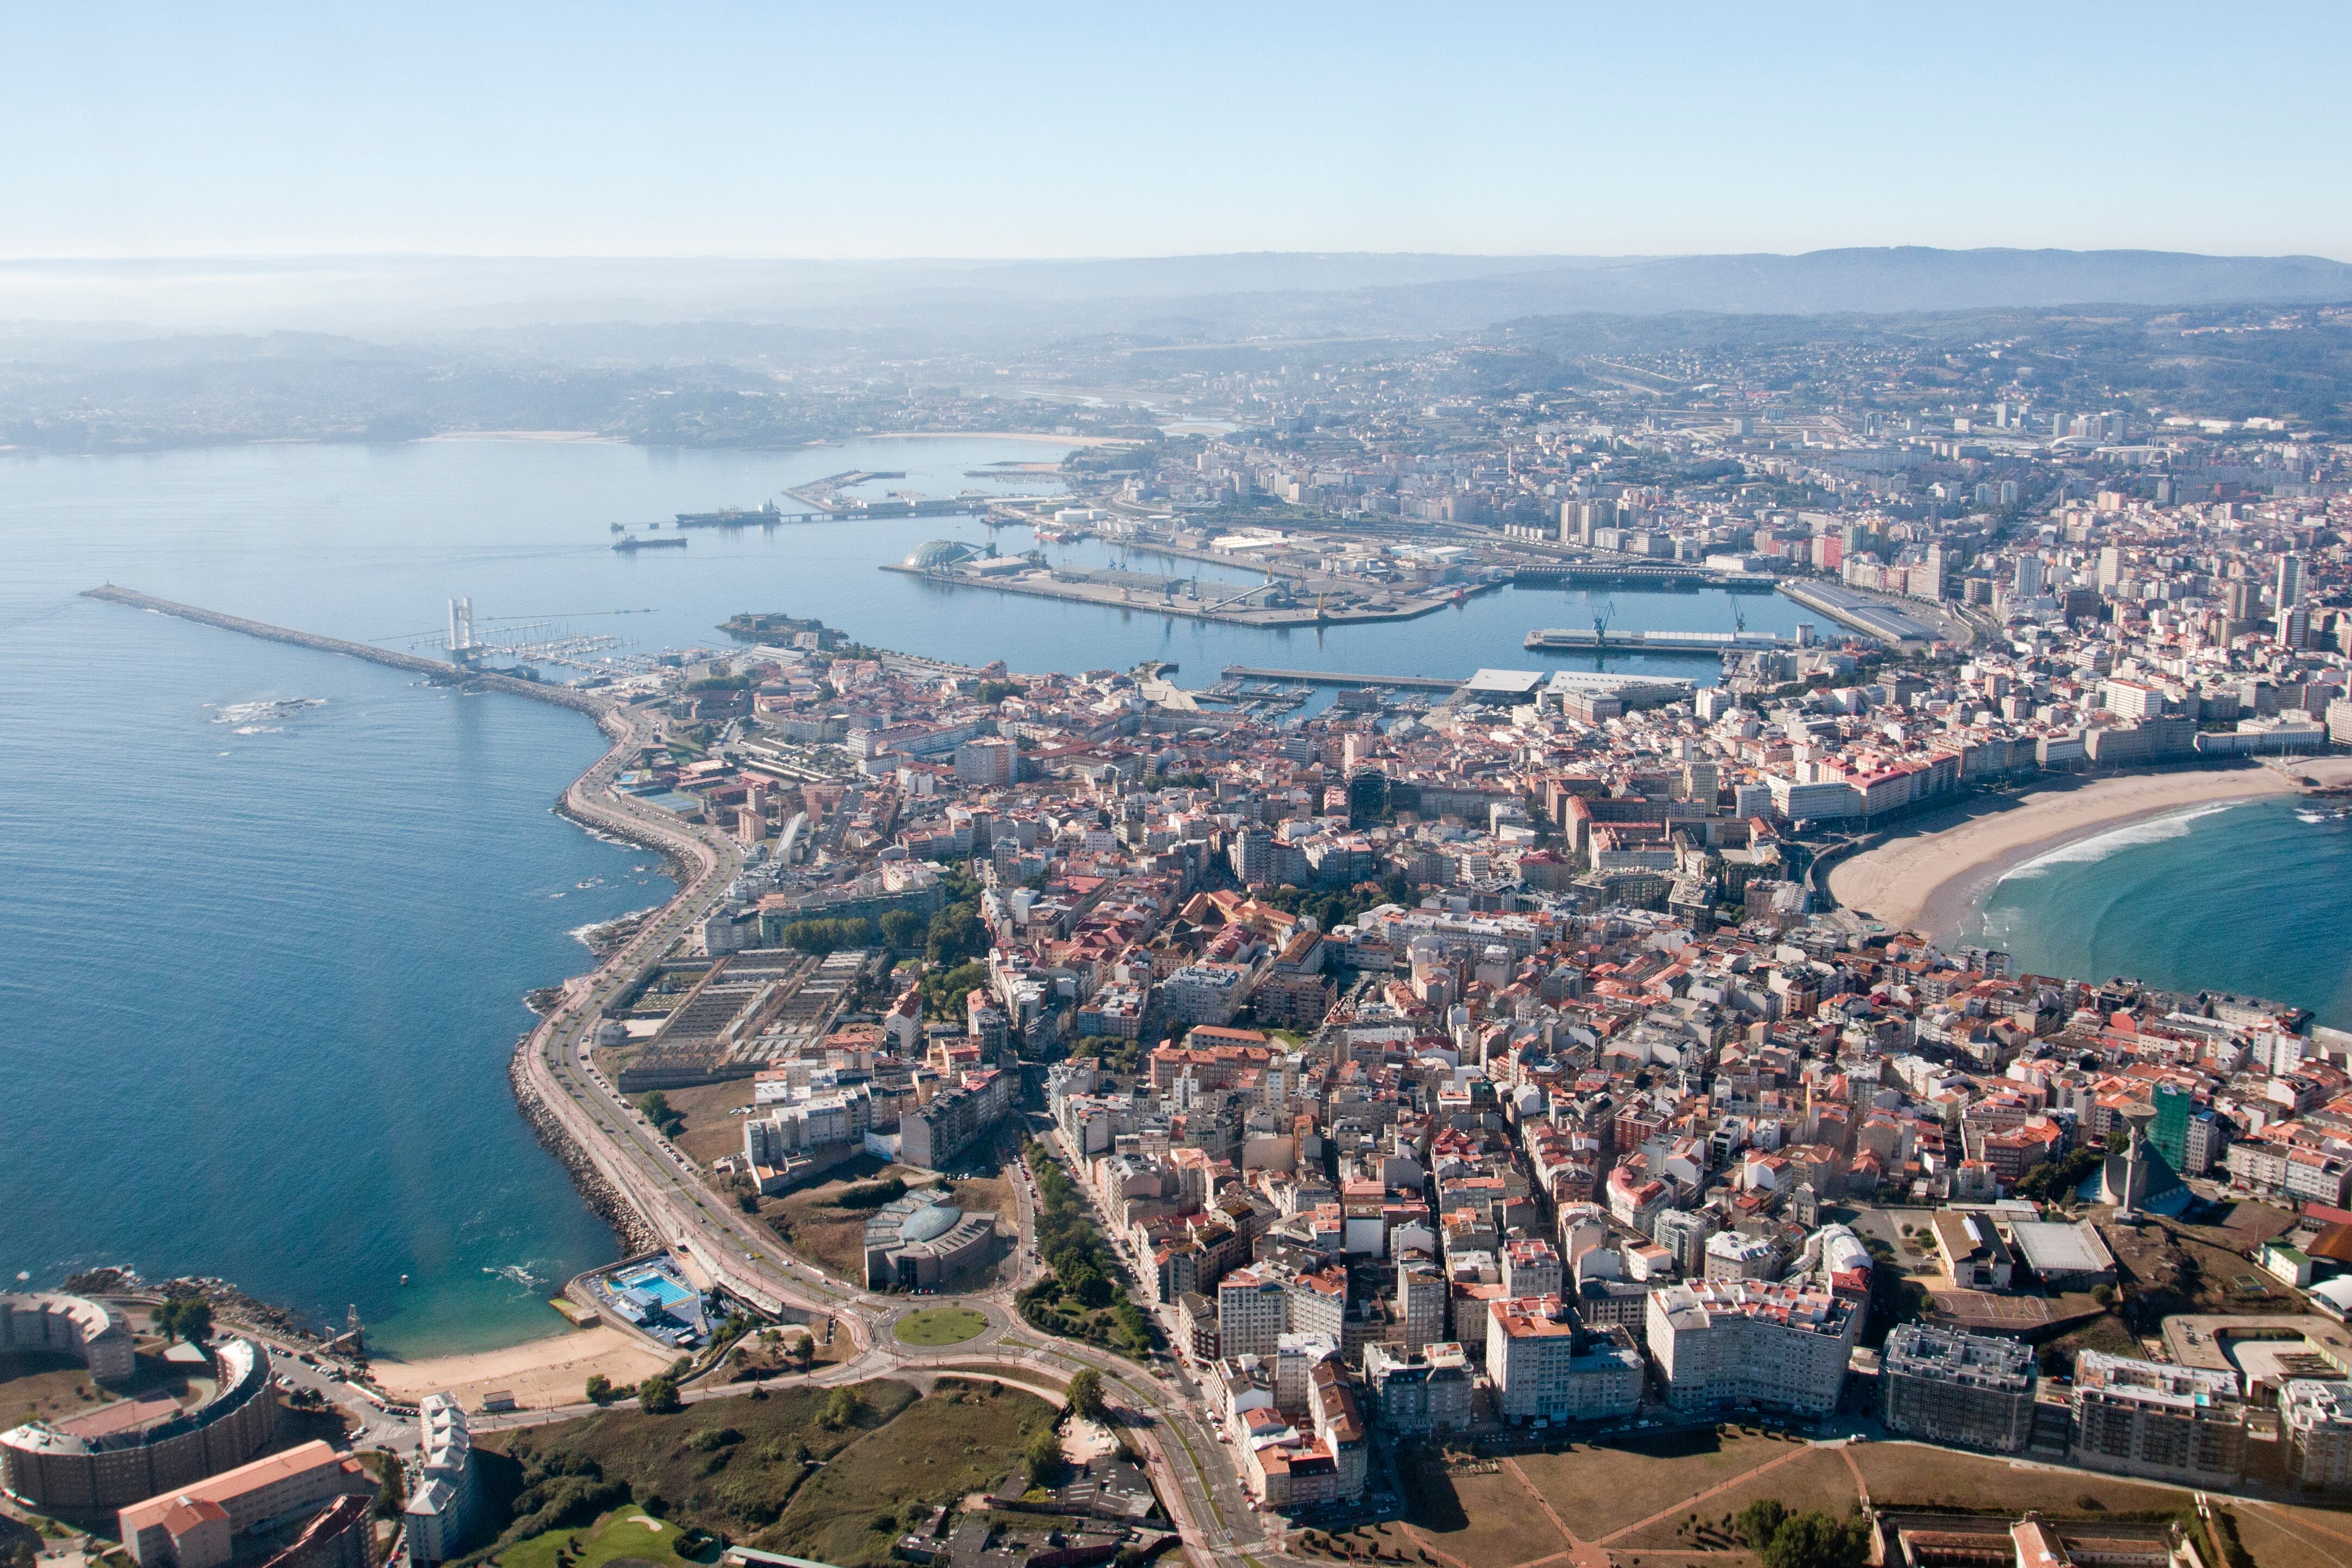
[196, 1526]
[116, 1453]
[441, 1509]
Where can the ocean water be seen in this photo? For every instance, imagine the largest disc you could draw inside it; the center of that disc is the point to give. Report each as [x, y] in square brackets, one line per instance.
[259, 980]
[2248, 897]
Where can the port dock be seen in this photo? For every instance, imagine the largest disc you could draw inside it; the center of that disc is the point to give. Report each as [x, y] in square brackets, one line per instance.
[1343, 678]
[1876, 618]
[1579, 574]
[1561, 638]
[1277, 604]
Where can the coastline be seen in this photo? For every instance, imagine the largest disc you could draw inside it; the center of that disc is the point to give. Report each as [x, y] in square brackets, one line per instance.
[1931, 872]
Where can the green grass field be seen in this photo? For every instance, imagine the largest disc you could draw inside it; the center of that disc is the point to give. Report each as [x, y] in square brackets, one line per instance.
[621, 1533]
[770, 1472]
[941, 1325]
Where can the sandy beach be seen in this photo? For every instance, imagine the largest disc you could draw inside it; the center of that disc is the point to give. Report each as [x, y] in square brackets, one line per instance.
[540, 1374]
[1928, 876]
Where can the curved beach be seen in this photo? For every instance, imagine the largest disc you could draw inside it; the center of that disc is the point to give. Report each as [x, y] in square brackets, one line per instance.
[1931, 871]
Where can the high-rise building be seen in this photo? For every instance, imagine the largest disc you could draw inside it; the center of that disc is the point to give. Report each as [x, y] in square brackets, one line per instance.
[2144, 1419]
[1722, 1342]
[1422, 1390]
[1545, 1363]
[2025, 582]
[2289, 590]
[1944, 1386]
[987, 761]
[2111, 568]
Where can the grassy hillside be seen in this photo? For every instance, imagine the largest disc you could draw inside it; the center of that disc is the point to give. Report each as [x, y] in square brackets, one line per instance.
[822, 1473]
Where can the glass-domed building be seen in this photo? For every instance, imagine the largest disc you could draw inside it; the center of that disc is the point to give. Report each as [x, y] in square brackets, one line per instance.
[938, 555]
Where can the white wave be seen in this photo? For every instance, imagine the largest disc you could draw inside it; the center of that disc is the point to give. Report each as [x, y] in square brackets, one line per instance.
[2115, 841]
[518, 1273]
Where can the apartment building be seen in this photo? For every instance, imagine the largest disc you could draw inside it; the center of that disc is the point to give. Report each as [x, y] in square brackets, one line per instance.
[1943, 1387]
[1547, 1366]
[2172, 1423]
[1419, 1391]
[1732, 1342]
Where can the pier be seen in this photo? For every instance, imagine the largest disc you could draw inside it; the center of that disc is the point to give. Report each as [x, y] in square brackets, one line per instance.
[434, 669]
[1343, 678]
[1556, 638]
[1887, 623]
[1654, 577]
[1178, 597]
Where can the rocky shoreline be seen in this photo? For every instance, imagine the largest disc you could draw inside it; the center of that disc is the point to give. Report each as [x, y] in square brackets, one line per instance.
[603, 1200]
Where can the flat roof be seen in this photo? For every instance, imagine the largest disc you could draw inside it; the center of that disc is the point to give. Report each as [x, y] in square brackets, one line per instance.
[1517, 681]
[2052, 1245]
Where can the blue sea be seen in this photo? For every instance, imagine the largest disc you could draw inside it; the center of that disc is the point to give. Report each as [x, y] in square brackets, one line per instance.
[261, 978]
[2251, 897]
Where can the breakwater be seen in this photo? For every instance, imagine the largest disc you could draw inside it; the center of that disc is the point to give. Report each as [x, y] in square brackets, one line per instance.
[602, 1198]
[433, 669]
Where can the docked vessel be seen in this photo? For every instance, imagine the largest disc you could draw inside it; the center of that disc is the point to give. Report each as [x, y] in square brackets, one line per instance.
[730, 516]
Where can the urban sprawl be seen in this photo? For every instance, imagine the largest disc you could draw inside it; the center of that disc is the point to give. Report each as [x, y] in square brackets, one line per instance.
[1474, 1063]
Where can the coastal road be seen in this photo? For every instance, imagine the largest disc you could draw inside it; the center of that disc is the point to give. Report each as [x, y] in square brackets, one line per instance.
[1195, 1476]
[1195, 1471]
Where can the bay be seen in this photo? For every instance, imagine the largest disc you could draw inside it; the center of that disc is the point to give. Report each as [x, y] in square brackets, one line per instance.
[261, 977]
[2247, 897]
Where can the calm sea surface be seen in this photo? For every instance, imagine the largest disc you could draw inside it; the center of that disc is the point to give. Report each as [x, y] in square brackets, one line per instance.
[259, 980]
[2249, 897]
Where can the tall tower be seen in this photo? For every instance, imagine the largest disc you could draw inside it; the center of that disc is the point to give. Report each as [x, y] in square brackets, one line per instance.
[461, 630]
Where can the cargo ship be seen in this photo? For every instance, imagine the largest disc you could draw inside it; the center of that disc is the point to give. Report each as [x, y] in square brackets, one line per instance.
[630, 547]
[732, 518]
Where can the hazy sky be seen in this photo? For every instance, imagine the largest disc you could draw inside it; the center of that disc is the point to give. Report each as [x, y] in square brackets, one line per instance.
[886, 130]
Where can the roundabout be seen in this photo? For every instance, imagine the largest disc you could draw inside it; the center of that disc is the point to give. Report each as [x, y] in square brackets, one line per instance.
[935, 1326]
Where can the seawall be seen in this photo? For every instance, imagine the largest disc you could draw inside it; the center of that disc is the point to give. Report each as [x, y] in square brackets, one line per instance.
[603, 1200]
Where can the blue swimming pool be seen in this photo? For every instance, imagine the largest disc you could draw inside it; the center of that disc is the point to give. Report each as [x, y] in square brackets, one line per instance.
[654, 1282]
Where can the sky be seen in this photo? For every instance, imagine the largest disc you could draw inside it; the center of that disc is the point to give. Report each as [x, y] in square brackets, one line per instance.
[911, 129]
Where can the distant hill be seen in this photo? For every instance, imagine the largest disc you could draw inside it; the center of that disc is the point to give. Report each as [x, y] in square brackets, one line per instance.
[1184, 297]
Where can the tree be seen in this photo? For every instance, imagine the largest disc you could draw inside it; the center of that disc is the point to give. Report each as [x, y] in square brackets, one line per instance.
[1044, 1456]
[903, 929]
[1087, 1393]
[841, 1408]
[392, 1485]
[657, 1394]
[1817, 1539]
[656, 1104]
[600, 1389]
[956, 935]
[1759, 1522]
[184, 1317]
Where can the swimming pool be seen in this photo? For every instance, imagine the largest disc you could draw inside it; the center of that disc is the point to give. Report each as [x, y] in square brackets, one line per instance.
[654, 1282]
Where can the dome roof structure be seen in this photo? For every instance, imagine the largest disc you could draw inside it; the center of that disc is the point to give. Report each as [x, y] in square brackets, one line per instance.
[940, 553]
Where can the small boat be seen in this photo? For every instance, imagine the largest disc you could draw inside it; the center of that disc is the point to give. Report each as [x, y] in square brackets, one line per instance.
[404, 1279]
